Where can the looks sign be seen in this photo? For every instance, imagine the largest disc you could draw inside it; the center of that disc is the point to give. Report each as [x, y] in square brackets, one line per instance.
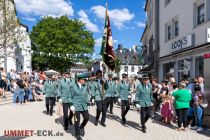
[185, 42]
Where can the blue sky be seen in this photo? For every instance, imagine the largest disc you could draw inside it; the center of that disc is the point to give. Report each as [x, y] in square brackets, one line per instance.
[127, 16]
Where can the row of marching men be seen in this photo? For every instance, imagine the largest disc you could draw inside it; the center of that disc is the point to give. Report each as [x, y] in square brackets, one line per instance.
[78, 94]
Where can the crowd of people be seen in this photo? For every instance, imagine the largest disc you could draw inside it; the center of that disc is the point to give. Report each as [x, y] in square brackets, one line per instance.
[181, 102]
[25, 87]
[173, 102]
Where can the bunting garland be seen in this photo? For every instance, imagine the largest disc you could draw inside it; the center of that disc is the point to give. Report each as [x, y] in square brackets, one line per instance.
[64, 56]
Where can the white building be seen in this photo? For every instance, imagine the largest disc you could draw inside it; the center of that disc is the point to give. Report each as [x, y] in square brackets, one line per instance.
[23, 51]
[127, 69]
[183, 37]
[18, 54]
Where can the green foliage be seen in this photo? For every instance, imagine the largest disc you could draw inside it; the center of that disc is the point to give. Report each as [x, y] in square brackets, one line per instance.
[60, 35]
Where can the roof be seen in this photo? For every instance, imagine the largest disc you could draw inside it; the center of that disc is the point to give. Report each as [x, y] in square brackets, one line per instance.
[145, 8]
[23, 25]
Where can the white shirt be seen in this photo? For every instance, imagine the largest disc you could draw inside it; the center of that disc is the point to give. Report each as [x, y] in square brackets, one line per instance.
[79, 84]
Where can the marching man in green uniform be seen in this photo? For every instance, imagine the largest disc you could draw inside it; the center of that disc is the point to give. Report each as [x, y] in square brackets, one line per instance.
[79, 105]
[110, 93]
[64, 88]
[50, 90]
[99, 96]
[144, 100]
[123, 90]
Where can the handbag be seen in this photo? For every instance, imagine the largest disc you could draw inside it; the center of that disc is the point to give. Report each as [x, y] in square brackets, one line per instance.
[204, 104]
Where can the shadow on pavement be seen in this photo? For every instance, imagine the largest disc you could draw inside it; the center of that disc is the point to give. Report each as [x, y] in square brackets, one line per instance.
[70, 129]
[128, 123]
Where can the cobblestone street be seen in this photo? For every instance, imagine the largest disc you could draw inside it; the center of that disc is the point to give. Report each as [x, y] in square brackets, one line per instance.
[31, 116]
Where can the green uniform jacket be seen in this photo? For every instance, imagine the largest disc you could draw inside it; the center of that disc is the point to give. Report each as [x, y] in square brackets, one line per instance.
[111, 89]
[80, 97]
[97, 91]
[64, 87]
[144, 95]
[182, 98]
[90, 85]
[49, 89]
[123, 89]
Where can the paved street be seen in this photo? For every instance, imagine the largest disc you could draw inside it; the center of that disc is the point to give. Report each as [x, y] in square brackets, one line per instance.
[31, 117]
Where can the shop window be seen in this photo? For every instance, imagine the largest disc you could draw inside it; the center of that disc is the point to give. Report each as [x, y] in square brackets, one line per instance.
[168, 68]
[199, 66]
[184, 69]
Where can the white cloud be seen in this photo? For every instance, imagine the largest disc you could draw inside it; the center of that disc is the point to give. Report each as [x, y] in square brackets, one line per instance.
[141, 24]
[144, 4]
[29, 19]
[89, 25]
[118, 16]
[98, 42]
[44, 7]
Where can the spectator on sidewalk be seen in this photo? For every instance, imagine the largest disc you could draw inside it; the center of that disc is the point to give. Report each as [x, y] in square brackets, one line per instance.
[182, 104]
[198, 110]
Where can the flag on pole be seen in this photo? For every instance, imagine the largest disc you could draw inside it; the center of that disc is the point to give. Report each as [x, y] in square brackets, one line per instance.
[107, 52]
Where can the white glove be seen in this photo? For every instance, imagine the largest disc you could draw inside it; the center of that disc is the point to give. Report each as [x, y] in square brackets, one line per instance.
[152, 104]
[119, 100]
[72, 108]
[138, 106]
[129, 96]
[60, 100]
[93, 101]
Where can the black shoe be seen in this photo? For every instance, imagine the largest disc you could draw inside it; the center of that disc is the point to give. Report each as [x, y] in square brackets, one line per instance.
[96, 123]
[70, 122]
[82, 132]
[47, 112]
[103, 124]
[66, 128]
[111, 113]
[143, 130]
[78, 137]
[50, 114]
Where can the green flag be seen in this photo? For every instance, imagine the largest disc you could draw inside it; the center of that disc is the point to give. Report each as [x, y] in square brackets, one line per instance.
[107, 52]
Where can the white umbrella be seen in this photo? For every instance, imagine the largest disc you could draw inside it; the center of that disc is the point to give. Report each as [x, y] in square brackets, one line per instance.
[51, 71]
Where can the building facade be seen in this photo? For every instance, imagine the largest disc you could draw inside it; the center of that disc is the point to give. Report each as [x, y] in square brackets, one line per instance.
[184, 42]
[150, 39]
[183, 37]
[18, 53]
[129, 62]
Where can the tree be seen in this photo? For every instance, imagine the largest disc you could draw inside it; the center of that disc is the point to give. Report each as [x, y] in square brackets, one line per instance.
[62, 36]
[10, 32]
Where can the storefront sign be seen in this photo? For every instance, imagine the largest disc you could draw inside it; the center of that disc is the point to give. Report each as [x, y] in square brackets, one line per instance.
[208, 35]
[185, 42]
[206, 55]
